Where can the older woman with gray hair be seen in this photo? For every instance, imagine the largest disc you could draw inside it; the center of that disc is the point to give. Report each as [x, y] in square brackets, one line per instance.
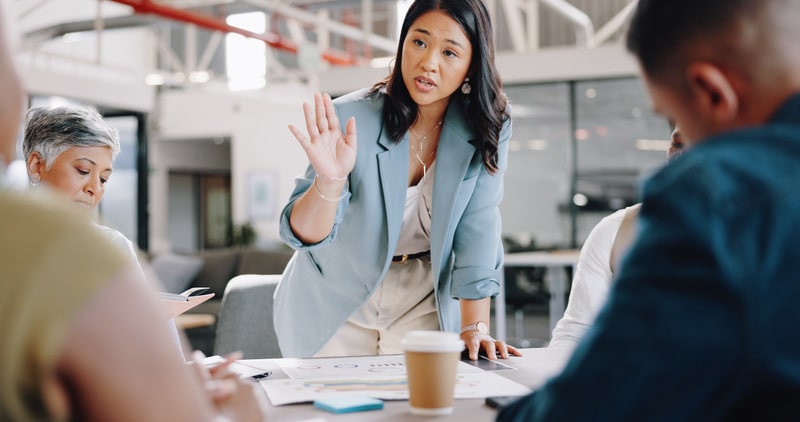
[71, 150]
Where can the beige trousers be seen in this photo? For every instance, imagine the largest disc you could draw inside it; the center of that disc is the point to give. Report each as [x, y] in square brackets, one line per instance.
[403, 301]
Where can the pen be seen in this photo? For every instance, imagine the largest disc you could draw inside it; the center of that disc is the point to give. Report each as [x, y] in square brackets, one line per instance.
[261, 375]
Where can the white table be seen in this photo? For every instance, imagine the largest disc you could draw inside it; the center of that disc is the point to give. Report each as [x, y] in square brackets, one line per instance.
[534, 368]
[556, 281]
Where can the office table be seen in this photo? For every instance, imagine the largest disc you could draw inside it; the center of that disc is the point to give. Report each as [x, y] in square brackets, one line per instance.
[533, 369]
[556, 281]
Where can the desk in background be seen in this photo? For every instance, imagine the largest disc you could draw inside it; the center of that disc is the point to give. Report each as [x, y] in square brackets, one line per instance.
[556, 280]
[533, 369]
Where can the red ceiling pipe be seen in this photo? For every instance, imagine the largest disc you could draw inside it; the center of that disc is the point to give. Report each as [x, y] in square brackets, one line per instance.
[271, 39]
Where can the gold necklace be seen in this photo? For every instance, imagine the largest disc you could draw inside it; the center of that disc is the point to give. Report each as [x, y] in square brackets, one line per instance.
[422, 147]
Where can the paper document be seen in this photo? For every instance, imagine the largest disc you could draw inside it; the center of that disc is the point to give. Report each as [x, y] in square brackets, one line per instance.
[182, 296]
[382, 377]
[179, 303]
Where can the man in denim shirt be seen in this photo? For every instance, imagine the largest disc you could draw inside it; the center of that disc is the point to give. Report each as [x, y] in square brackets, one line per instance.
[702, 321]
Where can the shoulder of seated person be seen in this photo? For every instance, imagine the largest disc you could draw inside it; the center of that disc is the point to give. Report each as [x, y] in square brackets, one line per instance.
[42, 204]
[36, 210]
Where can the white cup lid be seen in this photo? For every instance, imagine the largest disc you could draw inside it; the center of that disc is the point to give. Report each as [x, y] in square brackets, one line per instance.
[432, 341]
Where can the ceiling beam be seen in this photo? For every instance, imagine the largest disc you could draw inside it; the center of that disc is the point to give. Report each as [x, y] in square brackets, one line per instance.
[273, 40]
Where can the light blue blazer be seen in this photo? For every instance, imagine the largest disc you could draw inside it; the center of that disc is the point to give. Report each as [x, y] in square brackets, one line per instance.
[325, 283]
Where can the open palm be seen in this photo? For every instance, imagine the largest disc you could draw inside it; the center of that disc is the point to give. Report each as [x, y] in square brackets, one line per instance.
[331, 153]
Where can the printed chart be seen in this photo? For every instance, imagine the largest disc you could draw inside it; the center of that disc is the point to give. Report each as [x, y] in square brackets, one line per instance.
[382, 377]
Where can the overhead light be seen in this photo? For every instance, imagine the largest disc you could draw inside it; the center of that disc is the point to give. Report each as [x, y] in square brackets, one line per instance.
[653, 144]
[580, 199]
[591, 93]
[537, 144]
[199, 76]
[514, 145]
[582, 134]
[154, 79]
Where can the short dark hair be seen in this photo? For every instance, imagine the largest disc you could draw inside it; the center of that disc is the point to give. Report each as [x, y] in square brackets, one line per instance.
[662, 31]
[485, 105]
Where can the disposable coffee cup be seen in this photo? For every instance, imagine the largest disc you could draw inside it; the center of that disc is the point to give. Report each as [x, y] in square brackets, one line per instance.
[431, 362]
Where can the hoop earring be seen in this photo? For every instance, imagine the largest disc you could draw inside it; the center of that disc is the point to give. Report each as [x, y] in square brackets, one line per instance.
[466, 88]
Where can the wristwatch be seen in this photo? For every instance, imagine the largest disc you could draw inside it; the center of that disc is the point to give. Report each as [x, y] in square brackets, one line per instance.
[479, 326]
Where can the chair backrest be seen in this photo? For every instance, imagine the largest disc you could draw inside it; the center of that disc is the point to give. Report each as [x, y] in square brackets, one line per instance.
[245, 319]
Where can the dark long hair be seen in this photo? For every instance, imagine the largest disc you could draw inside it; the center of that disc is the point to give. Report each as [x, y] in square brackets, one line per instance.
[485, 106]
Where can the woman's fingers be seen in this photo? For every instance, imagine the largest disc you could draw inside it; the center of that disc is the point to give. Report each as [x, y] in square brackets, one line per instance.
[489, 345]
[330, 112]
[504, 349]
[322, 116]
[350, 137]
[222, 369]
[473, 347]
[311, 126]
[299, 135]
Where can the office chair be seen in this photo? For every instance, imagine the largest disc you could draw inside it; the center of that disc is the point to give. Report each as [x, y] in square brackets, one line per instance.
[525, 290]
[245, 319]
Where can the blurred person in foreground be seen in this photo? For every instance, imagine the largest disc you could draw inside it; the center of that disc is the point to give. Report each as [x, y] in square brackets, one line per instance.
[701, 322]
[82, 335]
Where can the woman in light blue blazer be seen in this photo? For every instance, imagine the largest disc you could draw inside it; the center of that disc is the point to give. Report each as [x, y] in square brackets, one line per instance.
[395, 223]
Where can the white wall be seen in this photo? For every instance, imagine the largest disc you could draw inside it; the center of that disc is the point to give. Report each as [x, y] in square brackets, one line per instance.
[260, 143]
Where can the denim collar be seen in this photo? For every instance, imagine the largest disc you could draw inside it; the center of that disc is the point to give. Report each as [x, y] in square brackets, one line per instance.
[789, 111]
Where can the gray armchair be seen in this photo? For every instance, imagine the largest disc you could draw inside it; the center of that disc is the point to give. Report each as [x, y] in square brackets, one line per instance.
[245, 318]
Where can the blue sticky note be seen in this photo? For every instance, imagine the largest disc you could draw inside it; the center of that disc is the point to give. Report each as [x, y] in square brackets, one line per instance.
[347, 404]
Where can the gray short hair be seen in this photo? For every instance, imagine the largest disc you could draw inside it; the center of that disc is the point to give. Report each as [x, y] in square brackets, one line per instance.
[51, 131]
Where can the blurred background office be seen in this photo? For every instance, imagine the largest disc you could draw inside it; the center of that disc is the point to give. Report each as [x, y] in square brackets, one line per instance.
[202, 91]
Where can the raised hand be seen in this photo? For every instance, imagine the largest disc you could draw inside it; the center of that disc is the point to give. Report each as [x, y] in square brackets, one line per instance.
[331, 153]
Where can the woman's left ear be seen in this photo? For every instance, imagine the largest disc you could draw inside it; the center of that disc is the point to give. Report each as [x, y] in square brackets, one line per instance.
[35, 165]
[714, 93]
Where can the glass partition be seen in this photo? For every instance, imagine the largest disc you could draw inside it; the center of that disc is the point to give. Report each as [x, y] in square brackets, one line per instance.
[537, 182]
[579, 151]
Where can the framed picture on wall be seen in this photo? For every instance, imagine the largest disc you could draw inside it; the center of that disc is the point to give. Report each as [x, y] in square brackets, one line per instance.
[262, 191]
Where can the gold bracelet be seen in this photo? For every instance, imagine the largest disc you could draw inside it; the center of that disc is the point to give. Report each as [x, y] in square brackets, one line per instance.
[327, 198]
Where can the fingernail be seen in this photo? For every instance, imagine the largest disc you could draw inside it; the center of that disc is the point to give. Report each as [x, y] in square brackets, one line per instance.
[234, 355]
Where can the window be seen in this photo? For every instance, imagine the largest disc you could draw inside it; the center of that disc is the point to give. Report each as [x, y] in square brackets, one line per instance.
[579, 151]
[246, 58]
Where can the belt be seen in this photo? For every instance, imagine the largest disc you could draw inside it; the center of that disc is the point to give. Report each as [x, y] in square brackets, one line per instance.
[403, 258]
